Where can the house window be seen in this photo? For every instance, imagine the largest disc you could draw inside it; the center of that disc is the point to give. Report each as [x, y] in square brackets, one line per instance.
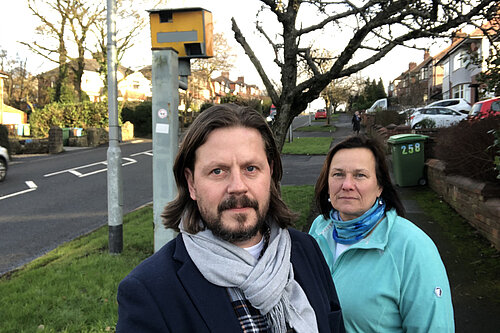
[458, 91]
[461, 60]
[424, 73]
[446, 69]
[461, 91]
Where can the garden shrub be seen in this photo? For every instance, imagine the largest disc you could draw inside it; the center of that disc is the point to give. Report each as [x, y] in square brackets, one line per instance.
[386, 117]
[254, 103]
[468, 149]
[81, 115]
[139, 114]
[205, 106]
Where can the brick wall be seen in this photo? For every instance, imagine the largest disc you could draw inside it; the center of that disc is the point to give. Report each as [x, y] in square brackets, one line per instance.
[477, 202]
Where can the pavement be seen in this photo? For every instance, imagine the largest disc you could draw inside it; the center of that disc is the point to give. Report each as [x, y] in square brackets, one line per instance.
[473, 313]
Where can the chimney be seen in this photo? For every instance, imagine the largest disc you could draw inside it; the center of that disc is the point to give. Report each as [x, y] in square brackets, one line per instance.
[241, 79]
[225, 74]
[457, 35]
[412, 65]
[426, 54]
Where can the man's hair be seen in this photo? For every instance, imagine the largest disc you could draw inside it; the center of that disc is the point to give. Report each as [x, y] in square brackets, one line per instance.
[215, 117]
[389, 193]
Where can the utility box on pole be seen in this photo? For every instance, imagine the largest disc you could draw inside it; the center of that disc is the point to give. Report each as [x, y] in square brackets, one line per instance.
[176, 36]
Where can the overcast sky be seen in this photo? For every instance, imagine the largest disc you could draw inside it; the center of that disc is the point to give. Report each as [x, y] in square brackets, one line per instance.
[17, 24]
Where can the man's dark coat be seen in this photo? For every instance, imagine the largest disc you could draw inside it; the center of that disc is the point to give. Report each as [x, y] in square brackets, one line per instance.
[167, 293]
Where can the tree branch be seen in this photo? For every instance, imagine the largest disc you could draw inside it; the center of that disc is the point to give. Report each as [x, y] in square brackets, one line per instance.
[258, 66]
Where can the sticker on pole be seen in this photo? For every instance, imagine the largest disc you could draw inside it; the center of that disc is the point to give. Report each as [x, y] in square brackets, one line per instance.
[162, 128]
[162, 113]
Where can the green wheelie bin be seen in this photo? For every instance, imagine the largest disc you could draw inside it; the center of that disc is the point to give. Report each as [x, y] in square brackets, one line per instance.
[408, 159]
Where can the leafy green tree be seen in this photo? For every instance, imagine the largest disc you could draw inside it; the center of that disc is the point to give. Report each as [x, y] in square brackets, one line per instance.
[371, 92]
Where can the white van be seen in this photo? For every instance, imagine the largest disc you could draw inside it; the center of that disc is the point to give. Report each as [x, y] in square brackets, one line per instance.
[380, 104]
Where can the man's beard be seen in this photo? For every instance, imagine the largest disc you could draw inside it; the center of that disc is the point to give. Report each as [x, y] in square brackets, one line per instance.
[237, 233]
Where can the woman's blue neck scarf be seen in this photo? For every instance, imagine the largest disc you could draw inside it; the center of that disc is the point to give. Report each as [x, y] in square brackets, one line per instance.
[350, 232]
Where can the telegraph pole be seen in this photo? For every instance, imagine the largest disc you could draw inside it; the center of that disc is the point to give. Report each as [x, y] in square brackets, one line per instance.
[114, 155]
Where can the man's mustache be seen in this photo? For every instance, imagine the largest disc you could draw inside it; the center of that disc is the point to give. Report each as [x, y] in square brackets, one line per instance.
[237, 202]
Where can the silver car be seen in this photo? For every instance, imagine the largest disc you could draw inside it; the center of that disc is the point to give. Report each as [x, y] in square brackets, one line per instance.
[457, 104]
[438, 116]
[4, 163]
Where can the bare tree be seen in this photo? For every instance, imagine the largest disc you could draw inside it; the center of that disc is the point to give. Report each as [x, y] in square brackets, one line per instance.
[336, 93]
[81, 18]
[53, 33]
[371, 30]
[3, 59]
[130, 23]
[223, 60]
[20, 86]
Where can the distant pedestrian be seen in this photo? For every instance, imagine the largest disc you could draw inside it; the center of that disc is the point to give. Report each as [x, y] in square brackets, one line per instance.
[388, 273]
[356, 122]
[236, 266]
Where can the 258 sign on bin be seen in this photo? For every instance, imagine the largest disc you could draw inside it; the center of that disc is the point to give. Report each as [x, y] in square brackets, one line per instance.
[411, 148]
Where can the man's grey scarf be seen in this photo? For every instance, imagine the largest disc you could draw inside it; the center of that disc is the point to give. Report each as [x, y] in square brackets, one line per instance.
[268, 283]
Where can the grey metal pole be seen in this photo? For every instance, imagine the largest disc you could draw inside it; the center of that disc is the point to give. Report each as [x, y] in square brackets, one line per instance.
[165, 75]
[114, 155]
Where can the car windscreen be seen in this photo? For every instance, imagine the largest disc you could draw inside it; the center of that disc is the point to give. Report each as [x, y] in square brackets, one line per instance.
[475, 109]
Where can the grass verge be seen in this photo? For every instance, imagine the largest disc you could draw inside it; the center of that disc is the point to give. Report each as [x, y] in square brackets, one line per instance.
[299, 199]
[308, 146]
[316, 128]
[472, 261]
[73, 288]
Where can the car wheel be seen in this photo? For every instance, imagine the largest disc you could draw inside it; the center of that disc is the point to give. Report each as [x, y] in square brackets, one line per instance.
[3, 170]
[422, 181]
[417, 126]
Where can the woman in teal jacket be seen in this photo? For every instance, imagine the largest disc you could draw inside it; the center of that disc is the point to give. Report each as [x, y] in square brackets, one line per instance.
[388, 273]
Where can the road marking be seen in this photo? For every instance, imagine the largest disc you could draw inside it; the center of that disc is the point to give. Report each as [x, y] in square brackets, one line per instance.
[32, 187]
[147, 152]
[80, 175]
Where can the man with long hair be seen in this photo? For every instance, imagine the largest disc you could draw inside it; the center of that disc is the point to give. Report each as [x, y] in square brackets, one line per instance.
[236, 266]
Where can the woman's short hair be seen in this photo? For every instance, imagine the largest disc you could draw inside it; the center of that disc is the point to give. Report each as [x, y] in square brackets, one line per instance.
[389, 193]
[222, 116]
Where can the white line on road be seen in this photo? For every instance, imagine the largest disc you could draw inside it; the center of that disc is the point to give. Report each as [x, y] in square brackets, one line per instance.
[147, 152]
[32, 187]
[80, 175]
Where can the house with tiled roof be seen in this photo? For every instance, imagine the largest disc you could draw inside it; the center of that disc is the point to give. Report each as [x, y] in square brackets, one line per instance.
[8, 114]
[222, 86]
[452, 73]
[411, 87]
[131, 85]
[459, 69]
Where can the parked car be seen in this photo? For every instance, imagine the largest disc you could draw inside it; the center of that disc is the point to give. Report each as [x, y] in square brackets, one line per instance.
[270, 118]
[4, 163]
[407, 113]
[320, 114]
[486, 108]
[457, 104]
[441, 116]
